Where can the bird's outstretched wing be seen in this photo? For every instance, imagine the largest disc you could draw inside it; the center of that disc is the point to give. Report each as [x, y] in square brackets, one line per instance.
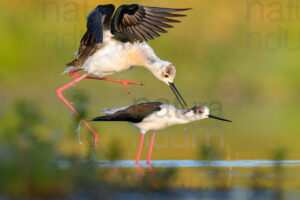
[142, 23]
[97, 21]
[134, 114]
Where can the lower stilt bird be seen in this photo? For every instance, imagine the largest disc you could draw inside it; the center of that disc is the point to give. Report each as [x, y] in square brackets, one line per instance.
[155, 116]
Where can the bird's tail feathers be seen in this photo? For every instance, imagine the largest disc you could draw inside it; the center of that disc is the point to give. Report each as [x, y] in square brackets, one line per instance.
[100, 119]
[70, 69]
[73, 63]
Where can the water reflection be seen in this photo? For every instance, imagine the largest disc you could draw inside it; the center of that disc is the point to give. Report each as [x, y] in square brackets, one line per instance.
[194, 163]
[32, 166]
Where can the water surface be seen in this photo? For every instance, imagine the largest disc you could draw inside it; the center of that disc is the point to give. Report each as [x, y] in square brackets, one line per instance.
[194, 163]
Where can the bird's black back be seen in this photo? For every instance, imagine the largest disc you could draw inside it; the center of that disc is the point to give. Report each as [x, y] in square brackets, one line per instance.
[134, 114]
[130, 23]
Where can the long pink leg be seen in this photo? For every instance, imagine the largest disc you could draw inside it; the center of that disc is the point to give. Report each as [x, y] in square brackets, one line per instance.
[124, 82]
[151, 147]
[59, 94]
[140, 149]
[140, 173]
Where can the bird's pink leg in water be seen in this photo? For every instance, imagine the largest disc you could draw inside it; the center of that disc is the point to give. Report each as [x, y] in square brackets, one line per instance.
[124, 82]
[59, 94]
[151, 147]
[139, 171]
[140, 149]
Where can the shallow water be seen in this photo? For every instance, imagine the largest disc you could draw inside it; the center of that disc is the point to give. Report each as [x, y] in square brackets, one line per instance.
[218, 179]
[193, 163]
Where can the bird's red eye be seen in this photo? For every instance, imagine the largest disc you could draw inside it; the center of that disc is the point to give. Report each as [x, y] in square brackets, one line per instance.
[200, 111]
[166, 76]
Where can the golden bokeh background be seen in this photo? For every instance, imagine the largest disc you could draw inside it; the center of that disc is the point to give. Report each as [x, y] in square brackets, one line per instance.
[240, 58]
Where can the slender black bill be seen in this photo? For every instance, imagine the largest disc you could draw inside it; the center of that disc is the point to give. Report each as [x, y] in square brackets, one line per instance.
[218, 118]
[178, 95]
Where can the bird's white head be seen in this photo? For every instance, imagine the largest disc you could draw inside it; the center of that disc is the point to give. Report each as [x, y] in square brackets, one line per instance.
[202, 112]
[166, 72]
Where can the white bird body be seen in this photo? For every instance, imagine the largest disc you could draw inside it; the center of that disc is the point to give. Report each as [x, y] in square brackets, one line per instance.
[154, 116]
[166, 117]
[115, 56]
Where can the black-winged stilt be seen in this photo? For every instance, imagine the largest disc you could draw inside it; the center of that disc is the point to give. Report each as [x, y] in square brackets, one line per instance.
[115, 43]
[155, 116]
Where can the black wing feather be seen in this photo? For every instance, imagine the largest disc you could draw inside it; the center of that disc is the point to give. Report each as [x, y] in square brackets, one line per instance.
[97, 21]
[156, 9]
[95, 25]
[157, 23]
[142, 21]
[134, 114]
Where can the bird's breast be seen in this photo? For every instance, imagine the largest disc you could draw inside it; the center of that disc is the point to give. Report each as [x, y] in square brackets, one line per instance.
[115, 57]
[132, 56]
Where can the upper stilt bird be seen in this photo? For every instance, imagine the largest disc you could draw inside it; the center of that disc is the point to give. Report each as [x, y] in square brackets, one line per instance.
[155, 116]
[116, 41]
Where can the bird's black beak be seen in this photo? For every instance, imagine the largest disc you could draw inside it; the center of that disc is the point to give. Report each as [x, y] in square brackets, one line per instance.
[178, 95]
[218, 118]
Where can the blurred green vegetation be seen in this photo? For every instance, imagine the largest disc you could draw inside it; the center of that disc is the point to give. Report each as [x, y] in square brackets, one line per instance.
[31, 166]
[224, 51]
[217, 58]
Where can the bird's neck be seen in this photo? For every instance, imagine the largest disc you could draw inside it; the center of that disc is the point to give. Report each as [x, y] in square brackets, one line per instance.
[155, 64]
[149, 59]
[184, 116]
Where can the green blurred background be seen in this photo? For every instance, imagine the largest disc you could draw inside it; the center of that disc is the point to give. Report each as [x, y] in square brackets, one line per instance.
[240, 58]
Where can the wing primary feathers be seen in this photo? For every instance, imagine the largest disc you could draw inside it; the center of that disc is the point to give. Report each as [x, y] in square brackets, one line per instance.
[165, 14]
[144, 33]
[148, 30]
[143, 22]
[155, 28]
[140, 35]
[127, 21]
[134, 20]
[161, 24]
[156, 9]
[162, 19]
